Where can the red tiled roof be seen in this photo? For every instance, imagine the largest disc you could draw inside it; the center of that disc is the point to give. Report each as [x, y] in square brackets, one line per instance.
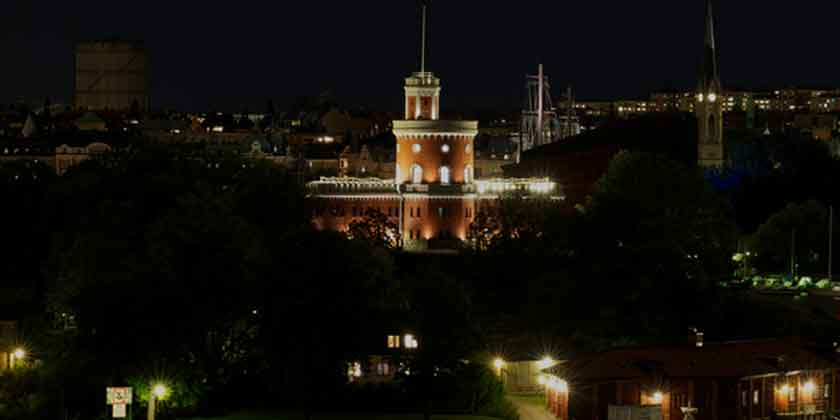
[714, 360]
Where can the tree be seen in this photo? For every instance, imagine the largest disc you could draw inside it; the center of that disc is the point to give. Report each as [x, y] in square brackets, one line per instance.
[516, 218]
[659, 238]
[375, 228]
[798, 233]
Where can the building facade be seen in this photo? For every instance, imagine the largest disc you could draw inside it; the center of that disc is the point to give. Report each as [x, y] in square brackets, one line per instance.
[762, 379]
[111, 75]
[434, 196]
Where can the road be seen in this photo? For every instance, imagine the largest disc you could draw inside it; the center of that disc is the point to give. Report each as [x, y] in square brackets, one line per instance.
[530, 411]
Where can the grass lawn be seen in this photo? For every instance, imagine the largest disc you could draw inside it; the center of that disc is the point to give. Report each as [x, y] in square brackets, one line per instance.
[258, 416]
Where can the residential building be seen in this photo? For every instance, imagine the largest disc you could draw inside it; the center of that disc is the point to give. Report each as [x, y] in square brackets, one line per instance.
[758, 379]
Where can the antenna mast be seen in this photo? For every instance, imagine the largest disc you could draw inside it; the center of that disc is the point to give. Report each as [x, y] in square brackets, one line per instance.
[423, 42]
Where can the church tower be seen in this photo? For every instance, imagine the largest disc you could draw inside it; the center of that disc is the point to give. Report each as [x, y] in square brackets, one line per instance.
[708, 107]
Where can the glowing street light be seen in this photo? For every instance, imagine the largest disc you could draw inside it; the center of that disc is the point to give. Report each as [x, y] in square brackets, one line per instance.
[658, 397]
[545, 363]
[17, 355]
[499, 363]
[158, 392]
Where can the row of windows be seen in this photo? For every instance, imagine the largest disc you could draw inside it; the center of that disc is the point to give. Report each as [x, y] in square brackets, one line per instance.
[790, 391]
[414, 212]
[417, 148]
[355, 211]
[444, 174]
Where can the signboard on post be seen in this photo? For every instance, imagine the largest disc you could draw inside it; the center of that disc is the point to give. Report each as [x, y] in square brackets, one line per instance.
[119, 399]
[118, 411]
[119, 396]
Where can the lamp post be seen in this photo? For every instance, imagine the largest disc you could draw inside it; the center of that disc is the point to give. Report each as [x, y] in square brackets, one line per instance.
[158, 392]
[17, 355]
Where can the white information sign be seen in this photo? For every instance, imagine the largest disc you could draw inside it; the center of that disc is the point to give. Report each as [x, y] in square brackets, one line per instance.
[118, 396]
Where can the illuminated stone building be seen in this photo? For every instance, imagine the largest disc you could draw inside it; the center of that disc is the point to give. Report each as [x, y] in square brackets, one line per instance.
[434, 196]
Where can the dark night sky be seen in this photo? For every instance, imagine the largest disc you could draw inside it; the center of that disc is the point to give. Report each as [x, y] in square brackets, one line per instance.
[225, 55]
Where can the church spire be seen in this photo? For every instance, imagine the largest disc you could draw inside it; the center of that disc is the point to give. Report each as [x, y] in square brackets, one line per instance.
[708, 107]
[709, 76]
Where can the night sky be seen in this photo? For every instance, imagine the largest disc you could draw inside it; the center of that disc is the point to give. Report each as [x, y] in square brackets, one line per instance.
[241, 53]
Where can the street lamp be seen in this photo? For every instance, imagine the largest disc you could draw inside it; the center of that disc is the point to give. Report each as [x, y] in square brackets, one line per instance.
[499, 363]
[17, 355]
[545, 363]
[158, 392]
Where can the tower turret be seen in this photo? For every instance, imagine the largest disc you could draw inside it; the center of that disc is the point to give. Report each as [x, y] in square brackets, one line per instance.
[422, 89]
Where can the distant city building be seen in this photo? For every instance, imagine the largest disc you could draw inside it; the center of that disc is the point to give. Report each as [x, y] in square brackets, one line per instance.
[111, 75]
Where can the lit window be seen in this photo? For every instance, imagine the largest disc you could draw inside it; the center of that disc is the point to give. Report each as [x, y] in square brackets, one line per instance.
[393, 341]
[410, 342]
[398, 147]
[398, 175]
[445, 175]
[756, 397]
[416, 148]
[712, 98]
[468, 148]
[468, 174]
[444, 148]
[416, 174]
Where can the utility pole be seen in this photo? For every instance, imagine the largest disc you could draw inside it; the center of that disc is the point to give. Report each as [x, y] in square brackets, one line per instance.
[830, 241]
[793, 253]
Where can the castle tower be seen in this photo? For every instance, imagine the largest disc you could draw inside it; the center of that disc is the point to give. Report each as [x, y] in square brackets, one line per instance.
[708, 107]
[431, 151]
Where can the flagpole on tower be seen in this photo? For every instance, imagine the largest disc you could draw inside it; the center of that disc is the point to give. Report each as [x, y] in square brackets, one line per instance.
[423, 42]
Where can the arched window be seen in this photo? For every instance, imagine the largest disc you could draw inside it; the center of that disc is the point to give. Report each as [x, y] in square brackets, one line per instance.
[416, 148]
[445, 175]
[416, 174]
[468, 148]
[712, 130]
[468, 174]
[444, 148]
